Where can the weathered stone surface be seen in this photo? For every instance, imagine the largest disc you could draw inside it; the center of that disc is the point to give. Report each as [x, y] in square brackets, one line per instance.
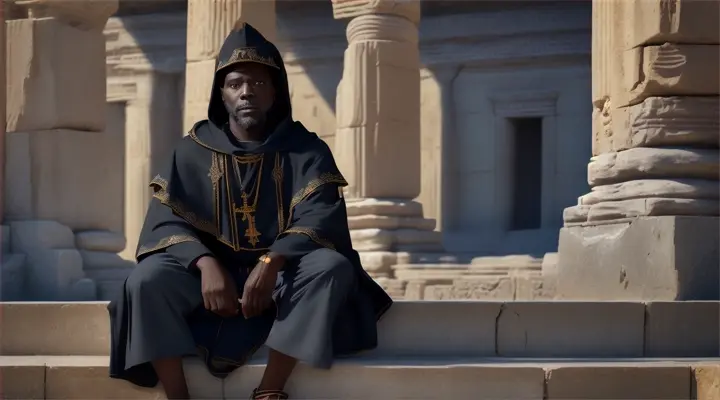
[18, 177]
[706, 383]
[403, 330]
[682, 329]
[673, 70]
[653, 163]
[28, 236]
[540, 329]
[21, 381]
[687, 121]
[12, 276]
[62, 168]
[51, 274]
[209, 23]
[382, 207]
[372, 121]
[378, 262]
[675, 121]
[430, 379]
[389, 222]
[54, 329]
[643, 207]
[198, 83]
[619, 383]
[395, 240]
[87, 377]
[534, 288]
[489, 288]
[649, 258]
[105, 241]
[55, 76]
[700, 189]
[676, 21]
[354, 8]
[77, 13]
[5, 239]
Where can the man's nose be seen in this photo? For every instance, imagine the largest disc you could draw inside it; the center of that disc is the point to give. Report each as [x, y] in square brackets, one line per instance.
[246, 91]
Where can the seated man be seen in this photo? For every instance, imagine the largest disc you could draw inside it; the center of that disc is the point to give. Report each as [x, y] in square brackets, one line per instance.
[248, 222]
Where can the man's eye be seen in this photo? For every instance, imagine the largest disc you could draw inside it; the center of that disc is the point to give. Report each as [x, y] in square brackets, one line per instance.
[259, 83]
[234, 86]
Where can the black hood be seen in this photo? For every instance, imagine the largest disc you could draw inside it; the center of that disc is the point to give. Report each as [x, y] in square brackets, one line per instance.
[246, 44]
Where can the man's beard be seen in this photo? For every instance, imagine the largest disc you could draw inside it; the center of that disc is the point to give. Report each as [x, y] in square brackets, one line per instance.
[249, 123]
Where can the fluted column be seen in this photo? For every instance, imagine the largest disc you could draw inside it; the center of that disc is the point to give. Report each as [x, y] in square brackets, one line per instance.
[377, 145]
[649, 227]
[208, 24]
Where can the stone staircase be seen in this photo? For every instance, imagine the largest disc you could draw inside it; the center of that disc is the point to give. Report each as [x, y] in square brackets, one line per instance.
[427, 350]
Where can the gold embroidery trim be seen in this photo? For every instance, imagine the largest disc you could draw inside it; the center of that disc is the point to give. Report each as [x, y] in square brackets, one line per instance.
[247, 54]
[313, 236]
[160, 185]
[166, 242]
[277, 175]
[311, 187]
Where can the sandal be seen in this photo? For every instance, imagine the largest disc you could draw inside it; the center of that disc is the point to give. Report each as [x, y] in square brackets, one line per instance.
[269, 395]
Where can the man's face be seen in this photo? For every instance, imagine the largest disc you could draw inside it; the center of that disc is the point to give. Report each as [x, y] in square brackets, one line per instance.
[248, 94]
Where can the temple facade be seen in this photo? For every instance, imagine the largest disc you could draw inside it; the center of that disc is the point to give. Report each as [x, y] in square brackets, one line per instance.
[464, 129]
[494, 159]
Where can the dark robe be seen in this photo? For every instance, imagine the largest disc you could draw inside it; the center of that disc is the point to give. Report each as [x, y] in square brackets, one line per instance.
[237, 201]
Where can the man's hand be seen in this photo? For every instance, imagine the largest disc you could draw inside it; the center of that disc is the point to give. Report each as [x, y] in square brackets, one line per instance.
[218, 288]
[259, 286]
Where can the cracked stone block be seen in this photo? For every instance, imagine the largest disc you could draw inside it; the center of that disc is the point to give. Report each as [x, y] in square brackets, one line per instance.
[647, 258]
[55, 76]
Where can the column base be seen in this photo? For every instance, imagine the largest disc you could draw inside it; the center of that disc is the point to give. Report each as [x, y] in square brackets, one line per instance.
[646, 258]
[387, 231]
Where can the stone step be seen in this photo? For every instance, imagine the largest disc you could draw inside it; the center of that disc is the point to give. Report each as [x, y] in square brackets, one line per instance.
[434, 328]
[85, 377]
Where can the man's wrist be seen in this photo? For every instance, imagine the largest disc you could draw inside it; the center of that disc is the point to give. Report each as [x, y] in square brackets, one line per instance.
[205, 262]
[274, 261]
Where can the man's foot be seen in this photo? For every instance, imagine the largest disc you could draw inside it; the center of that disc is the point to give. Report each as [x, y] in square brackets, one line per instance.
[269, 395]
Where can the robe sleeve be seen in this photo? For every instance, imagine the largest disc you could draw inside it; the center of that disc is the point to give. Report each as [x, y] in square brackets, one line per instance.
[320, 220]
[165, 231]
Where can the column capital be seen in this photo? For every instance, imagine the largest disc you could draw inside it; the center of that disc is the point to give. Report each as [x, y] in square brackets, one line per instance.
[409, 9]
[78, 13]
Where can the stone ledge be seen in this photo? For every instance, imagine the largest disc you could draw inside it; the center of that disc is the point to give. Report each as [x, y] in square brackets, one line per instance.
[468, 328]
[83, 377]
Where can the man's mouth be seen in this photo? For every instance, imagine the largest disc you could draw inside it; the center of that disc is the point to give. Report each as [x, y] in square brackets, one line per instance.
[247, 108]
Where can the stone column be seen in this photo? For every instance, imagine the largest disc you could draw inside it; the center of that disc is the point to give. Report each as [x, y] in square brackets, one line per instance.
[58, 155]
[151, 132]
[377, 145]
[649, 228]
[208, 24]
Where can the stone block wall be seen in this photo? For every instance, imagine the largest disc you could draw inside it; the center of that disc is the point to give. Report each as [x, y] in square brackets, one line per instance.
[60, 173]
